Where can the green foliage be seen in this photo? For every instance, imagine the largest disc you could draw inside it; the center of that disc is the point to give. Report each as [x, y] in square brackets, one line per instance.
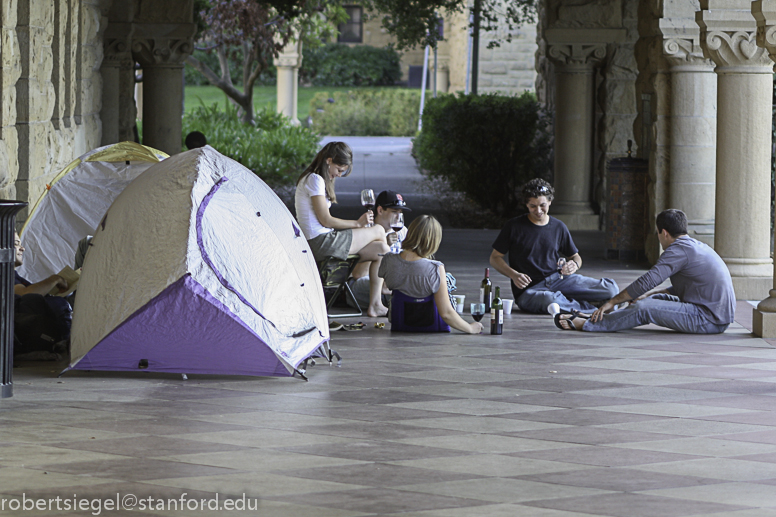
[335, 64]
[273, 149]
[415, 23]
[383, 112]
[485, 146]
[209, 57]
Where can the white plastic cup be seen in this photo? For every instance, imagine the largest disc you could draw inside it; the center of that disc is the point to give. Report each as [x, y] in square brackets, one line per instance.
[459, 298]
[507, 305]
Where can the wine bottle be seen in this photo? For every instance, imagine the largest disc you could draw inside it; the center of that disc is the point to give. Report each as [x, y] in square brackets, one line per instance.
[497, 314]
[486, 296]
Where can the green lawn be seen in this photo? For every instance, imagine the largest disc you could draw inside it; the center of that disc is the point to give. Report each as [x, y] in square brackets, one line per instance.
[262, 96]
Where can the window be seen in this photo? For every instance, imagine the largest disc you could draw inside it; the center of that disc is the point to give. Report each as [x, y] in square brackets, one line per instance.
[351, 30]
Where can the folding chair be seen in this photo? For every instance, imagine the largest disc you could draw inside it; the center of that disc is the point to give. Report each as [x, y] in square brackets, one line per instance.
[334, 277]
[415, 314]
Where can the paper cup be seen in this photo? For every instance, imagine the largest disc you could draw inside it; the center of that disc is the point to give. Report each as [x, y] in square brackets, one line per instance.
[507, 305]
[459, 298]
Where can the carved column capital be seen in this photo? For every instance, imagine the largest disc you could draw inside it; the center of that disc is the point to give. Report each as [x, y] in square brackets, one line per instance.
[291, 55]
[162, 51]
[117, 45]
[117, 52]
[685, 54]
[764, 12]
[728, 38]
[163, 45]
[582, 56]
[736, 50]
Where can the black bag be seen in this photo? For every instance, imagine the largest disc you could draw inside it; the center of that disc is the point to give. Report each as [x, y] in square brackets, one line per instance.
[41, 323]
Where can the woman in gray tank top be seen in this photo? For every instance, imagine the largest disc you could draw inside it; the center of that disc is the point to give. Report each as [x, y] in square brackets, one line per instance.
[414, 273]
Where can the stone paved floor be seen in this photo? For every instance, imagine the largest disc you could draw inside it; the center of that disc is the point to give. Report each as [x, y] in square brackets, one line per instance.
[536, 422]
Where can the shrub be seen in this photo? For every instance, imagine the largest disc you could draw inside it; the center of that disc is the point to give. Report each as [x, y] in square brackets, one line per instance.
[335, 64]
[385, 112]
[273, 149]
[485, 146]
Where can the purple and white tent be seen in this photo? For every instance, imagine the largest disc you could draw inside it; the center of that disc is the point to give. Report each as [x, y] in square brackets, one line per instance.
[198, 267]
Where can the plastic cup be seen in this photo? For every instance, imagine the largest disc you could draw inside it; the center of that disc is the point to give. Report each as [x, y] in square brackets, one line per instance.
[507, 305]
[459, 298]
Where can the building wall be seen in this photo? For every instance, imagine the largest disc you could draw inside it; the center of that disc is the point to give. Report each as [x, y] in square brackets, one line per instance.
[507, 69]
[50, 57]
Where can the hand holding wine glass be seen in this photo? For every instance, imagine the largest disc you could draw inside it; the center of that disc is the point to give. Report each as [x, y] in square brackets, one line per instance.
[561, 265]
[368, 200]
[478, 311]
[397, 223]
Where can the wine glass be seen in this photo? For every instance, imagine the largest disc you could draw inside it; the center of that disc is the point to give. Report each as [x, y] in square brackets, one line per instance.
[397, 223]
[368, 200]
[478, 311]
[561, 265]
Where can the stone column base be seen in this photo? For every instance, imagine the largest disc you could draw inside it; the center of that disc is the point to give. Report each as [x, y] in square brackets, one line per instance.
[752, 287]
[580, 221]
[764, 324]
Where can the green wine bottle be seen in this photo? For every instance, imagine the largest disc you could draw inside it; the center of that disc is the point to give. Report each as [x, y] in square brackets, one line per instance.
[486, 295]
[497, 314]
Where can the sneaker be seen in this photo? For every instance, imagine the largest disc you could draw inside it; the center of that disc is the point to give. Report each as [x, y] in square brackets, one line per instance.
[335, 325]
[553, 309]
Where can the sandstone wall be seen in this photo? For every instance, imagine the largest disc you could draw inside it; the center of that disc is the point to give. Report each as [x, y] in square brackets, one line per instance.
[507, 69]
[50, 56]
[617, 103]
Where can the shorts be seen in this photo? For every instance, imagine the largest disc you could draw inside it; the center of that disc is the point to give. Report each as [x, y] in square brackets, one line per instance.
[335, 244]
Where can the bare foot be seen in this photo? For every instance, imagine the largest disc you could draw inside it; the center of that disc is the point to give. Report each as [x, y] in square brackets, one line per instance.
[375, 311]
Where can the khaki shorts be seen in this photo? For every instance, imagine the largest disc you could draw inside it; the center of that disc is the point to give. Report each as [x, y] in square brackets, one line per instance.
[335, 244]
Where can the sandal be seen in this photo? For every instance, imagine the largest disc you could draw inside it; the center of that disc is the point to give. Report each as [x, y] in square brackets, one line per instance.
[353, 326]
[574, 315]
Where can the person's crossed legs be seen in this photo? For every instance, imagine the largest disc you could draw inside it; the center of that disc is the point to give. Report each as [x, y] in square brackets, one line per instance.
[570, 292]
[663, 310]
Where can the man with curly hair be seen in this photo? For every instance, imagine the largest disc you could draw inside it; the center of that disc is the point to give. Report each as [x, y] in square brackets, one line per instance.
[543, 260]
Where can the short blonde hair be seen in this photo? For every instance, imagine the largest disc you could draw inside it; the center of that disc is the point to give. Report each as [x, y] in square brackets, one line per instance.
[424, 236]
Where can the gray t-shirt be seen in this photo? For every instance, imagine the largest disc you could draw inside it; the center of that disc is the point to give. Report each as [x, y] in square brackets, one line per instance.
[417, 278]
[698, 275]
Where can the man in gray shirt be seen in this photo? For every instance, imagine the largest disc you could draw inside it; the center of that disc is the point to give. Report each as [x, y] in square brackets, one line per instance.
[700, 300]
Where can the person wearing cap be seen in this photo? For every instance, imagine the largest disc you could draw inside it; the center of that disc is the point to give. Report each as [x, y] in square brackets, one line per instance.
[388, 206]
[536, 243]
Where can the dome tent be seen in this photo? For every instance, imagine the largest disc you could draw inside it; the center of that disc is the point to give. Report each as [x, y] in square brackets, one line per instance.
[73, 203]
[198, 267]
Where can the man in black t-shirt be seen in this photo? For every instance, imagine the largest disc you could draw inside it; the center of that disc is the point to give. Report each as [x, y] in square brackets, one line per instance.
[535, 243]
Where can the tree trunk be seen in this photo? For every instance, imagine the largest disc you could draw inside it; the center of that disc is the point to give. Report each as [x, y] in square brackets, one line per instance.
[242, 100]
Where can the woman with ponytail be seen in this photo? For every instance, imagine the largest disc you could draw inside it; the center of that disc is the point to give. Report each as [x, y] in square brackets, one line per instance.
[329, 236]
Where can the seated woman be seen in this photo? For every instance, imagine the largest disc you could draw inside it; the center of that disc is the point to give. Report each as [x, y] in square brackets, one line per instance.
[332, 237]
[414, 273]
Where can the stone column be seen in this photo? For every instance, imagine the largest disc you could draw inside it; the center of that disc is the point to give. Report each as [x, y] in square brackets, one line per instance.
[117, 73]
[693, 132]
[574, 127]
[443, 77]
[764, 11]
[161, 51]
[288, 63]
[744, 96]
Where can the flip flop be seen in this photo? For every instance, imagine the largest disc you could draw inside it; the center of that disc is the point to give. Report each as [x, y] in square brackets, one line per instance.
[353, 326]
[574, 315]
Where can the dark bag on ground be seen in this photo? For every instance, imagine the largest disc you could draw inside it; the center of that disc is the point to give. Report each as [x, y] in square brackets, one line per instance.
[41, 323]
